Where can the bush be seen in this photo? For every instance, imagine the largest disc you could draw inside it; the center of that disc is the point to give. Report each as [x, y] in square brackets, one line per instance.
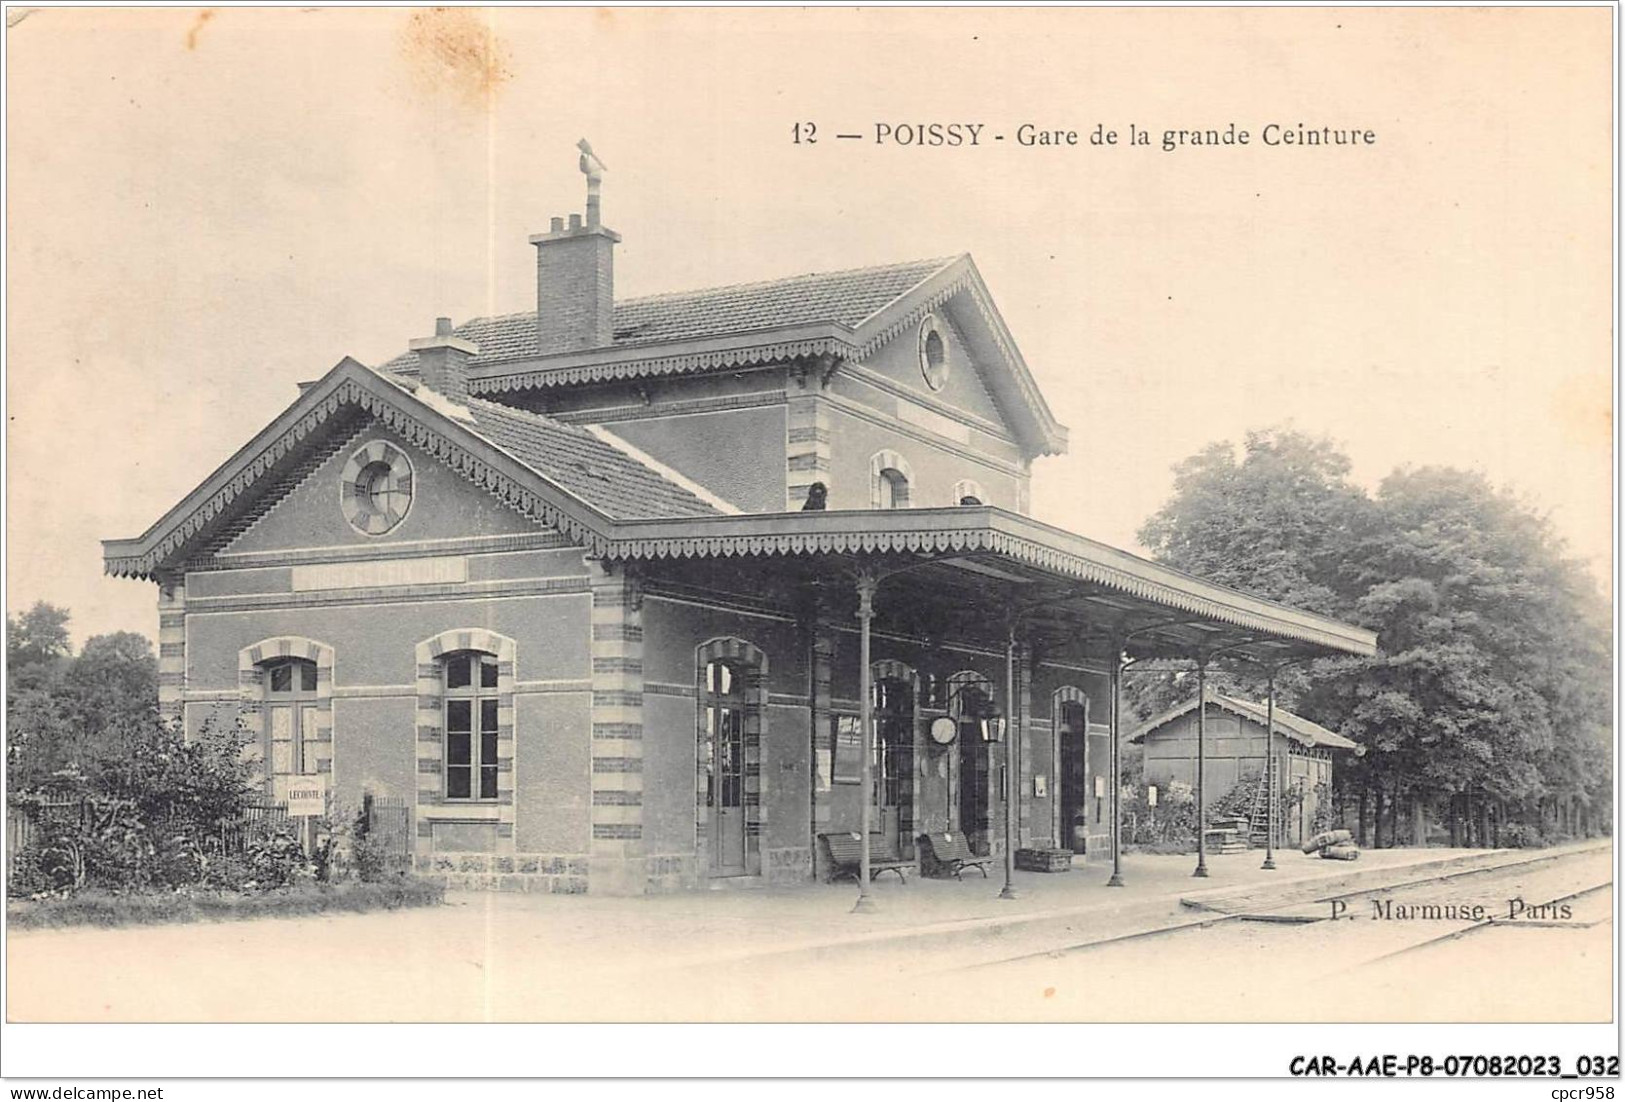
[373, 862]
[276, 858]
[145, 813]
[168, 813]
[97, 907]
[1167, 827]
[1520, 836]
[374, 859]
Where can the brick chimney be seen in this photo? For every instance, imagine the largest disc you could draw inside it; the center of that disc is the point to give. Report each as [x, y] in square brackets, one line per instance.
[575, 274]
[443, 361]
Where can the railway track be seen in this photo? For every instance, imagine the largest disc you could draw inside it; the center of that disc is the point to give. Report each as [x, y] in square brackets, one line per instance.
[1504, 924]
[1560, 870]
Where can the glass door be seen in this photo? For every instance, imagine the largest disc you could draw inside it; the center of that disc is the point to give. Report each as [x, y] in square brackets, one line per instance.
[725, 753]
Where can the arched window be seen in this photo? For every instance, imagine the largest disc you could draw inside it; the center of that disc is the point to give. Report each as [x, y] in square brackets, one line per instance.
[286, 695]
[889, 477]
[967, 491]
[465, 682]
[290, 716]
[469, 693]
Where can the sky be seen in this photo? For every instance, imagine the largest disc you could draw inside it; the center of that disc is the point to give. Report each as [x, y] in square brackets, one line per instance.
[206, 207]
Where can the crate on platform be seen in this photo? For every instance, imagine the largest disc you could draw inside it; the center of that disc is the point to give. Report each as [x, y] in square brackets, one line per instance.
[1044, 860]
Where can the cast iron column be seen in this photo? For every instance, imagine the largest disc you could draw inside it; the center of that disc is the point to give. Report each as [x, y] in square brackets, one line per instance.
[1201, 767]
[867, 584]
[1117, 820]
[1269, 774]
[1010, 792]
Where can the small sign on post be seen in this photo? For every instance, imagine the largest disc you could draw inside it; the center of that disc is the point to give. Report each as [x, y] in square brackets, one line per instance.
[848, 739]
[305, 794]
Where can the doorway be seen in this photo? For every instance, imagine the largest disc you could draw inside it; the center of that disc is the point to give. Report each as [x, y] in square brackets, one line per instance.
[893, 761]
[972, 703]
[724, 726]
[1075, 799]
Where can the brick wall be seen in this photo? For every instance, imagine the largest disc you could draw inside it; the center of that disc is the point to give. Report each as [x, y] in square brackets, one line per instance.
[575, 287]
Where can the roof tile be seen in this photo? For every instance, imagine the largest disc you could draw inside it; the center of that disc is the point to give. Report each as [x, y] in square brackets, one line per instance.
[581, 464]
[845, 297]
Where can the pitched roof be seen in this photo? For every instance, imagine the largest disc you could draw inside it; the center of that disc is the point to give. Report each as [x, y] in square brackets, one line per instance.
[1293, 726]
[844, 298]
[582, 464]
[598, 493]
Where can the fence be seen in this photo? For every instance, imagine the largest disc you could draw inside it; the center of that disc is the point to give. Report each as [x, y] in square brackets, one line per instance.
[389, 825]
[388, 822]
[24, 821]
[257, 820]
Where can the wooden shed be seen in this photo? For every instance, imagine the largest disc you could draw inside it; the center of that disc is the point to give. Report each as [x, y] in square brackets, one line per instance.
[1235, 755]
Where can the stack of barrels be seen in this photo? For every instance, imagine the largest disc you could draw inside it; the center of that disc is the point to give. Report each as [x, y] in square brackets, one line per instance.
[1334, 845]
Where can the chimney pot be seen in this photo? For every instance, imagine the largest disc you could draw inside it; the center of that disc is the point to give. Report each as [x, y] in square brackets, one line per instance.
[442, 327]
[556, 226]
[575, 222]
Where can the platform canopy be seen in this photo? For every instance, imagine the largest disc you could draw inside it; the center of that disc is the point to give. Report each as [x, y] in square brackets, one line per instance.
[971, 567]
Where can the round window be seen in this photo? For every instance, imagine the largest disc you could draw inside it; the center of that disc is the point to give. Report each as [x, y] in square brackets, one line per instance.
[933, 354]
[376, 490]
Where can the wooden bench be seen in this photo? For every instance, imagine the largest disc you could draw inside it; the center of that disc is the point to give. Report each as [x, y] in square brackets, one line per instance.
[949, 852]
[846, 856]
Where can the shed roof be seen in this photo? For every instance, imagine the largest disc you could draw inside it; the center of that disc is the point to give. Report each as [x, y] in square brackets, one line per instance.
[1290, 724]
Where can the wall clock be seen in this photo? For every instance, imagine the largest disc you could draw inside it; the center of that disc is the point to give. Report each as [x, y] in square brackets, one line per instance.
[943, 730]
[376, 488]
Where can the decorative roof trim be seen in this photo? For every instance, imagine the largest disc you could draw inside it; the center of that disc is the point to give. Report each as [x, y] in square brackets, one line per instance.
[961, 529]
[955, 529]
[910, 320]
[352, 384]
[1046, 435]
[638, 364]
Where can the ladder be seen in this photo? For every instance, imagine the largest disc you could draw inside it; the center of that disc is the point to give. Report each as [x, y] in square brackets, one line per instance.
[1262, 816]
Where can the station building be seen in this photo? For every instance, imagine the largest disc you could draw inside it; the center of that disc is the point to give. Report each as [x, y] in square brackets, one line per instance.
[590, 587]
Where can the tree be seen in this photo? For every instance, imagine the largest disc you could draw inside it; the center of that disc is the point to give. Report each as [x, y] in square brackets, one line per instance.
[38, 730]
[1492, 681]
[112, 687]
[37, 637]
[1276, 524]
[74, 713]
[1490, 692]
